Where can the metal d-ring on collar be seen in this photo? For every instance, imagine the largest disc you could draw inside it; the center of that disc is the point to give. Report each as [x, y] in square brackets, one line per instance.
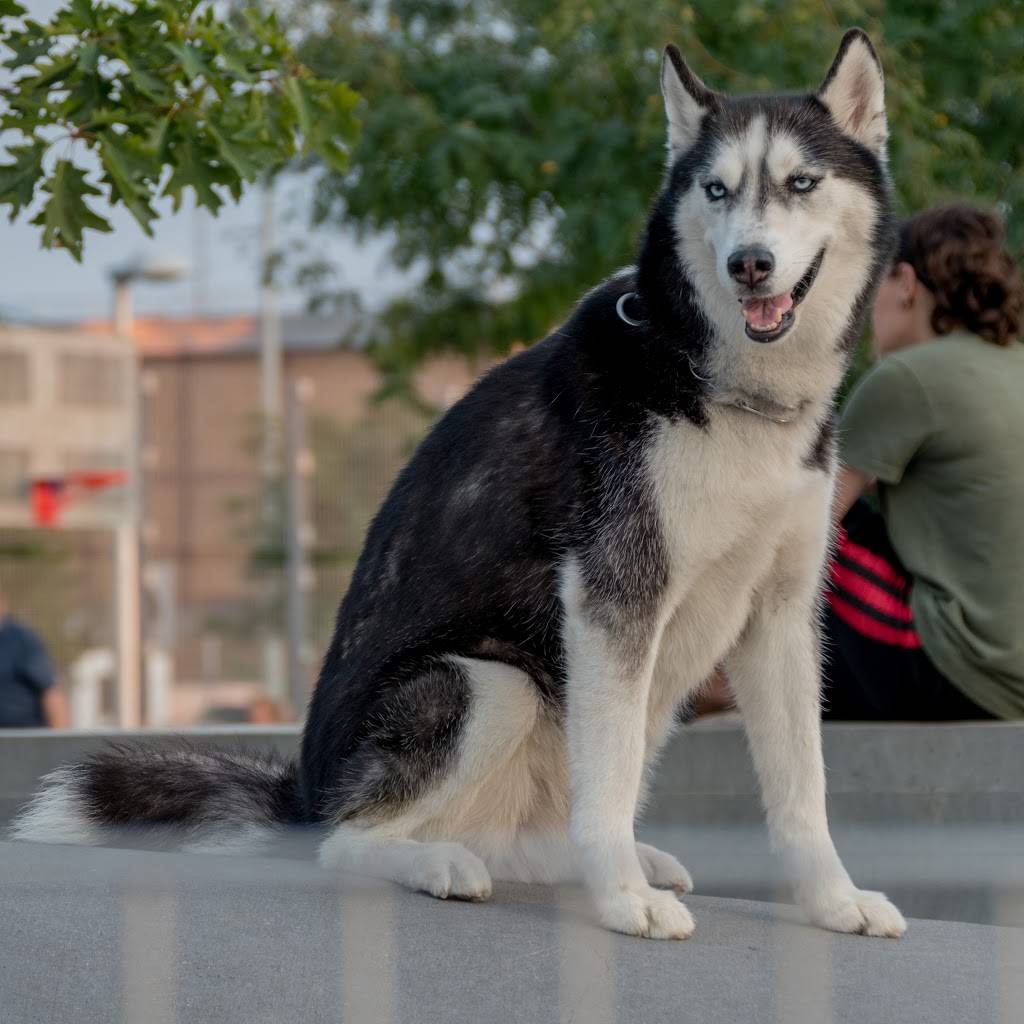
[620, 308]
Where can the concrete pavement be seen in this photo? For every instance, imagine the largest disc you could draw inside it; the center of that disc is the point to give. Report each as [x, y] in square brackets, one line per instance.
[104, 936]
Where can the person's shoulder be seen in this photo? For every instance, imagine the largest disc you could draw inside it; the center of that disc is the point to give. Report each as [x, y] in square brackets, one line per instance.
[938, 364]
[959, 361]
[890, 373]
[955, 348]
[21, 630]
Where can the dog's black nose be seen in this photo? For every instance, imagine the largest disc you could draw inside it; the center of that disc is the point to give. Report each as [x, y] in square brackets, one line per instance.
[750, 266]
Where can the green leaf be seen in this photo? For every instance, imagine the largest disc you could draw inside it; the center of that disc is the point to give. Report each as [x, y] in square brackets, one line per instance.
[11, 9]
[89, 94]
[295, 90]
[334, 154]
[66, 215]
[234, 61]
[18, 180]
[342, 98]
[191, 62]
[49, 74]
[89, 56]
[156, 140]
[191, 171]
[241, 156]
[27, 46]
[146, 83]
[84, 12]
[127, 172]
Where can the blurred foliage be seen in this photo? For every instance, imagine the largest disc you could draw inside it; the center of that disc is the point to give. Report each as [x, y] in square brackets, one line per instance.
[512, 148]
[169, 95]
[354, 465]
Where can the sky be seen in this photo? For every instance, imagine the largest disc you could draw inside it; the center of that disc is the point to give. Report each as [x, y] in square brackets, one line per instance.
[222, 254]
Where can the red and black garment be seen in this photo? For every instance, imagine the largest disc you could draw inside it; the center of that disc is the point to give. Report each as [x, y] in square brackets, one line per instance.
[874, 665]
[870, 592]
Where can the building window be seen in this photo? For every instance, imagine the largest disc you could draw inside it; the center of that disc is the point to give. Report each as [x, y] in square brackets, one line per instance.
[14, 377]
[91, 460]
[13, 473]
[89, 379]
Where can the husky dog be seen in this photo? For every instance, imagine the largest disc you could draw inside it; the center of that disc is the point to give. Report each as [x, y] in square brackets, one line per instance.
[580, 541]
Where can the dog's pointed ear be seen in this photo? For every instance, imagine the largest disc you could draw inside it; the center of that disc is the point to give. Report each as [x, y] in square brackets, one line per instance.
[854, 92]
[687, 100]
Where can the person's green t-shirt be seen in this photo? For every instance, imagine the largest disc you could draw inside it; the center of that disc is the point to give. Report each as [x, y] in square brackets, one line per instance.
[941, 427]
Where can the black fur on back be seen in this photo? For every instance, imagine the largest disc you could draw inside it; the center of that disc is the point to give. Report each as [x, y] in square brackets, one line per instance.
[544, 455]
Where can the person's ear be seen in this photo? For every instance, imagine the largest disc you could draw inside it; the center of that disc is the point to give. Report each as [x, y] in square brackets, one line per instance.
[908, 282]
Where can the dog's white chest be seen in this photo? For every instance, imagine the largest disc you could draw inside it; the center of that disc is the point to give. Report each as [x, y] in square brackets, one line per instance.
[719, 486]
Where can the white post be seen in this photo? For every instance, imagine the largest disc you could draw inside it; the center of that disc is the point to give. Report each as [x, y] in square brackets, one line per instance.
[124, 315]
[161, 580]
[87, 673]
[128, 585]
[129, 650]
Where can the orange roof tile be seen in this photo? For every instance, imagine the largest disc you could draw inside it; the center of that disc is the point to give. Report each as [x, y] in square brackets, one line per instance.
[166, 336]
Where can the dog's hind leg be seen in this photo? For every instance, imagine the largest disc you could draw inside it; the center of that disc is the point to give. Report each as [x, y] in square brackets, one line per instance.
[414, 788]
[441, 869]
[550, 858]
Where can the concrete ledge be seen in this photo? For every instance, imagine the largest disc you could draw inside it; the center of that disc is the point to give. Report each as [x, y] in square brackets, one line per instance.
[967, 772]
[91, 936]
[955, 772]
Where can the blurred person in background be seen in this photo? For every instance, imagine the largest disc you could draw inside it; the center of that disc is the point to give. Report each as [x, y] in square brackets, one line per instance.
[926, 608]
[924, 612]
[28, 693]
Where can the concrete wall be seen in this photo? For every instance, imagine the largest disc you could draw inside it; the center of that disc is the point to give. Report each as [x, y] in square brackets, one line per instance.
[884, 773]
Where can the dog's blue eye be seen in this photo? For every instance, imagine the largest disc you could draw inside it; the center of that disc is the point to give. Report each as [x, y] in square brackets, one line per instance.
[716, 190]
[802, 183]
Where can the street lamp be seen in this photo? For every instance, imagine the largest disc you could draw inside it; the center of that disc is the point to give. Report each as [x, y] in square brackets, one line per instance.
[129, 527]
[144, 268]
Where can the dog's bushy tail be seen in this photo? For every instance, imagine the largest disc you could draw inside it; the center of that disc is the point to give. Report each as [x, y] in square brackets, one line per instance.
[202, 800]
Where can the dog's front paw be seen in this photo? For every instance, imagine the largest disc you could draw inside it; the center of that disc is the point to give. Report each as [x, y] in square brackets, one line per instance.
[662, 870]
[649, 913]
[856, 911]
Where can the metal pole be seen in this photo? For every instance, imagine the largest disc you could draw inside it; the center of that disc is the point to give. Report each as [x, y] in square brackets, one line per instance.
[128, 533]
[299, 467]
[270, 341]
[200, 248]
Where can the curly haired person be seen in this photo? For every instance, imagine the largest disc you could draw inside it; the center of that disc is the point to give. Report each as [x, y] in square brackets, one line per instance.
[926, 603]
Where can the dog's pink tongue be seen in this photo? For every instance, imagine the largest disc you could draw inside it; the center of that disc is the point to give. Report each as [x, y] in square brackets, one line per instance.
[764, 313]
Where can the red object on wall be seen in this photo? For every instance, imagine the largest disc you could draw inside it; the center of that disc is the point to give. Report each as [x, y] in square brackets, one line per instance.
[51, 495]
[46, 501]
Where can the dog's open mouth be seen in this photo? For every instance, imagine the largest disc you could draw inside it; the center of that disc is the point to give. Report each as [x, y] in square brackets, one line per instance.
[769, 318]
